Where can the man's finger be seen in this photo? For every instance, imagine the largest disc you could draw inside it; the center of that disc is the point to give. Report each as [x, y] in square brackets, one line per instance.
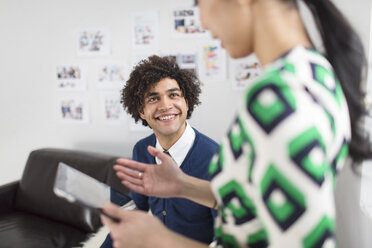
[134, 180]
[129, 163]
[130, 173]
[134, 187]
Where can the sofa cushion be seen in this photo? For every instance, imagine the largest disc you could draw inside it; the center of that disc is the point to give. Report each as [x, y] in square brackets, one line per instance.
[7, 196]
[22, 230]
[35, 193]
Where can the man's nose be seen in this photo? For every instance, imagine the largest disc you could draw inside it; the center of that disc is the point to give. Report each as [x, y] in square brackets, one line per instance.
[165, 102]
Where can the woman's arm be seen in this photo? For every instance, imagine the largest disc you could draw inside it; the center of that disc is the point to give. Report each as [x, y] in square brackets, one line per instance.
[139, 229]
[164, 180]
[197, 190]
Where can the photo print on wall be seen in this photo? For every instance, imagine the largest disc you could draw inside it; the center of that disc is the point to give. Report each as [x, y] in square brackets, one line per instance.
[145, 31]
[244, 70]
[113, 112]
[93, 42]
[186, 23]
[74, 110]
[70, 77]
[111, 74]
[186, 61]
[212, 62]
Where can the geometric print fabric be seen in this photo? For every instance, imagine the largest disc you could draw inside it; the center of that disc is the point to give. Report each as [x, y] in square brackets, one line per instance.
[262, 202]
[284, 202]
[270, 102]
[308, 152]
[322, 233]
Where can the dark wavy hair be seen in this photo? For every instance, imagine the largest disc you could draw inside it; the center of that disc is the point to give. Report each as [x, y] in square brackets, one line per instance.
[147, 74]
[345, 52]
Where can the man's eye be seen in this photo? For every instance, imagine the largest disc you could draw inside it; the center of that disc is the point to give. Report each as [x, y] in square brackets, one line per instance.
[152, 99]
[174, 95]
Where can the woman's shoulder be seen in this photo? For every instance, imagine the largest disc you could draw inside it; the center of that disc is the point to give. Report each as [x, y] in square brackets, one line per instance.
[295, 70]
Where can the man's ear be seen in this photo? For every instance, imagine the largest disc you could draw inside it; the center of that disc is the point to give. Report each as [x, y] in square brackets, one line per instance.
[141, 113]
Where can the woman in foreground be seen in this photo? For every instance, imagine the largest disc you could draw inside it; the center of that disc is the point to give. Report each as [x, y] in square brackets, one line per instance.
[273, 178]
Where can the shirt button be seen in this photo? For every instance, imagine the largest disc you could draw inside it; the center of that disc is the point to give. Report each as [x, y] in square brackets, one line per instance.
[164, 212]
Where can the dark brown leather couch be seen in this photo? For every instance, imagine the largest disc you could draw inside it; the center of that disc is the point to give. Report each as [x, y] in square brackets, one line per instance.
[32, 216]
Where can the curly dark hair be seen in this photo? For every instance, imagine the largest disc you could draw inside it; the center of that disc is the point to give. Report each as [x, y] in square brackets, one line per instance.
[147, 74]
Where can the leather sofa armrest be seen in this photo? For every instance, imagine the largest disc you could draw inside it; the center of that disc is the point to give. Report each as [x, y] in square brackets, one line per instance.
[7, 196]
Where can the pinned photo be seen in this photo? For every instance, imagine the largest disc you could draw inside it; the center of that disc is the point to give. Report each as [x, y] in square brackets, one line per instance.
[74, 110]
[187, 61]
[244, 70]
[212, 63]
[188, 58]
[93, 42]
[145, 30]
[111, 75]
[186, 23]
[113, 112]
[70, 77]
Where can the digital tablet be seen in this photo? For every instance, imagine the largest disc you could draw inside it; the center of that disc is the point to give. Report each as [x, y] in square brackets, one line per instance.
[79, 188]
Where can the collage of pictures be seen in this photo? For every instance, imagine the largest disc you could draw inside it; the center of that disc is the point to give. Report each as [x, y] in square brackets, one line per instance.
[209, 63]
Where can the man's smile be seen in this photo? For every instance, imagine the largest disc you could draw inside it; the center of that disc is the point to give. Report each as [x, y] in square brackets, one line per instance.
[166, 117]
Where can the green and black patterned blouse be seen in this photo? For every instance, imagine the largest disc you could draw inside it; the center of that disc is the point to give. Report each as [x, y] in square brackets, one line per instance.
[274, 176]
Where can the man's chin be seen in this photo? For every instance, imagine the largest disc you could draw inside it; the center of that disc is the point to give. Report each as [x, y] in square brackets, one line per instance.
[167, 131]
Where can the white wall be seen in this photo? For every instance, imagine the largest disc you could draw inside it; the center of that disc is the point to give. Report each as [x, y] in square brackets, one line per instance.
[35, 35]
[354, 227]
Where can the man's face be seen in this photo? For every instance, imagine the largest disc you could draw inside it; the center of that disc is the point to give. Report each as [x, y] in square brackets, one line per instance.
[165, 109]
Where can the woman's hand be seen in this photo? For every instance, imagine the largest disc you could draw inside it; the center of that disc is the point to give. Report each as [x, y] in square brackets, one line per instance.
[163, 180]
[140, 229]
[134, 229]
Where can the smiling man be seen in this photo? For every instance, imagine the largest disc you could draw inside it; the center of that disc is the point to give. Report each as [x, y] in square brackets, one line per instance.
[165, 111]
[163, 96]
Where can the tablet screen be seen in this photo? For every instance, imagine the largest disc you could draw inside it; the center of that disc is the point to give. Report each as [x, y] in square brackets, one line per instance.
[75, 186]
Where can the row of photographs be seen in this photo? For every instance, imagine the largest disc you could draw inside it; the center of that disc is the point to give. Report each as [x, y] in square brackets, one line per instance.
[76, 109]
[111, 77]
[209, 65]
[145, 32]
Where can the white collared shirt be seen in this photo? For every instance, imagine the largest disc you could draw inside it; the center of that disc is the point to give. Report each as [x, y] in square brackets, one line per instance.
[180, 149]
